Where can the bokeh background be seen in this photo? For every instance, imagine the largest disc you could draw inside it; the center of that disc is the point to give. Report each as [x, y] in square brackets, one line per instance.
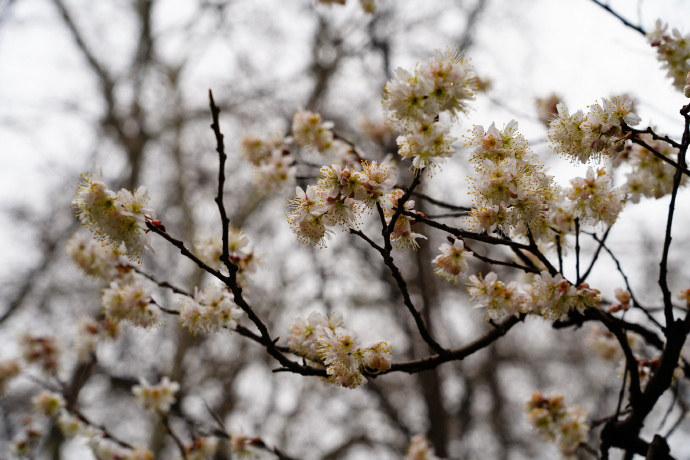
[119, 88]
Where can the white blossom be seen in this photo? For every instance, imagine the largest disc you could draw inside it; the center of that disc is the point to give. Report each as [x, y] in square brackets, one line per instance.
[129, 299]
[157, 398]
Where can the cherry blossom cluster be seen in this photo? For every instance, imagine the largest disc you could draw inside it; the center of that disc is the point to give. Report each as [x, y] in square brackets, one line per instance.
[650, 177]
[118, 218]
[596, 134]
[566, 425]
[673, 51]
[604, 344]
[415, 100]
[157, 398]
[594, 199]
[321, 339]
[41, 350]
[452, 263]
[130, 299]
[341, 197]
[305, 333]
[551, 297]
[511, 188]
[95, 258]
[210, 310]
[623, 298]
[240, 252]
[271, 159]
[48, 403]
[310, 131]
[420, 449]
[591, 199]
[495, 297]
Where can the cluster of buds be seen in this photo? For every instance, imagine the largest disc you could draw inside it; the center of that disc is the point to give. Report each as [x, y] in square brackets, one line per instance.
[211, 309]
[673, 51]
[415, 100]
[157, 398]
[623, 298]
[597, 133]
[322, 340]
[271, 159]
[118, 218]
[557, 422]
[42, 350]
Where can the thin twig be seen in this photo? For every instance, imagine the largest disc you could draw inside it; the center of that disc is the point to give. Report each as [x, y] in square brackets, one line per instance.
[457, 354]
[441, 204]
[402, 286]
[178, 441]
[663, 265]
[222, 157]
[596, 255]
[501, 262]
[577, 251]
[163, 284]
[636, 302]
[621, 18]
[266, 340]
